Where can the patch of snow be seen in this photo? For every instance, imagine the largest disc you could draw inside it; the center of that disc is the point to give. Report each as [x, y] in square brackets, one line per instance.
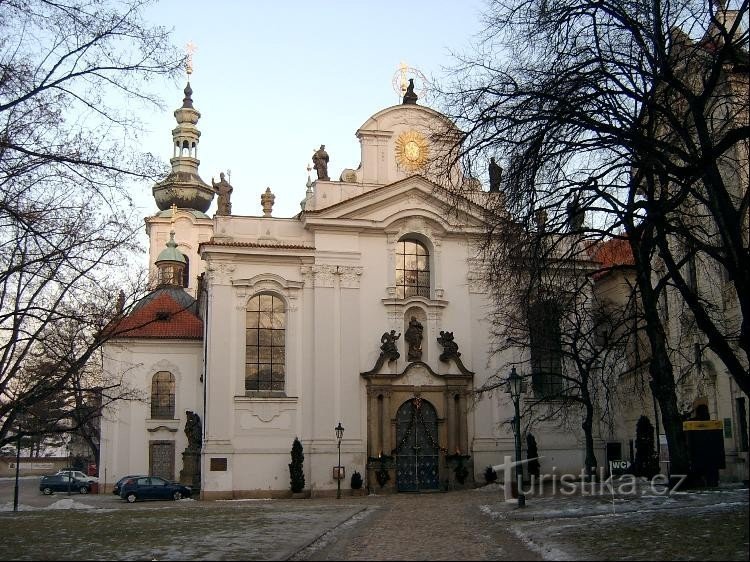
[546, 552]
[68, 503]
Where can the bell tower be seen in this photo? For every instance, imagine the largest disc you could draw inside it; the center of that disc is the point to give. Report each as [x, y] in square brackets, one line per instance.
[183, 186]
[183, 198]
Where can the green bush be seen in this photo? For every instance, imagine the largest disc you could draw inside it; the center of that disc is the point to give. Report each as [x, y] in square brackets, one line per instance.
[356, 481]
[296, 472]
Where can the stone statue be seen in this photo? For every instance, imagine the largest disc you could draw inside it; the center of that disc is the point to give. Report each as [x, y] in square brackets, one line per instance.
[120, 301]
[413, 337]
[320, 163]
[576, 213]
[450, 348]
[496, 175]
[410, 97]
[224, 191]
[388, 345]
[193, 431]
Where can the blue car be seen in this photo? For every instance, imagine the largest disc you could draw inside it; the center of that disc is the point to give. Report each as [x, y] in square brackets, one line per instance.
[118, 485]
[152, 488]
[63, 483]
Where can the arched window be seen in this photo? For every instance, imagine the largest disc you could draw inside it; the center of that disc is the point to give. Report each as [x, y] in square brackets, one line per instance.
[162, 396]
[265, 343]
[412, 269]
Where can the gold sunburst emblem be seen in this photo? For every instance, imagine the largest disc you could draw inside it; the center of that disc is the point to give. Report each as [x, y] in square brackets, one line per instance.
[411, 151]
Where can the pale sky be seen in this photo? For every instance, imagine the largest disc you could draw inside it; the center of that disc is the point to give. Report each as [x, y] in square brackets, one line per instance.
[275, 80]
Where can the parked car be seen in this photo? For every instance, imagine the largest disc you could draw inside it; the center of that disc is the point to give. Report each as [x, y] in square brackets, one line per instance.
[77, 474]
[152, 488]
[121, 481]
[63, 483]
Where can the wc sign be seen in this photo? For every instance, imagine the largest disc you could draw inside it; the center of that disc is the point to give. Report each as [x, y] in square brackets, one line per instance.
[619, 466]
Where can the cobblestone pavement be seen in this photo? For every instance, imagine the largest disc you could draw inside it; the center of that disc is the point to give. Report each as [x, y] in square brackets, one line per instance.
[439, 526]
[461, 525]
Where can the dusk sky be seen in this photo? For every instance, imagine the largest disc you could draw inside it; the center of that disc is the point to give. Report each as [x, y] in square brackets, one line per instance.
[275, 80]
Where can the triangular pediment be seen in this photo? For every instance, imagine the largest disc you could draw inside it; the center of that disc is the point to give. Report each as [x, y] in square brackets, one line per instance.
[413, 196]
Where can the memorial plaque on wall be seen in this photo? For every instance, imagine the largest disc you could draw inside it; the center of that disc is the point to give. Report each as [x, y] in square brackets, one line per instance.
[218, 464]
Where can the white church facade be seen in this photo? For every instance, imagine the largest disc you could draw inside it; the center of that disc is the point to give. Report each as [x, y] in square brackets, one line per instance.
[366, 309]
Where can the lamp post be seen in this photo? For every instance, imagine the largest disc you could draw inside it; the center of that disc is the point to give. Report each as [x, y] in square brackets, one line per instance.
[339, 429]
[515, 382]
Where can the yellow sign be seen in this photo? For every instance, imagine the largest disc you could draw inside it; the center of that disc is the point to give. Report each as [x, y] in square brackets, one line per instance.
[701, 425]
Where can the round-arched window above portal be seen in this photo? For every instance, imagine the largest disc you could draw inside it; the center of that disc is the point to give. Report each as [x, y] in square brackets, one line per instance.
[412, 269]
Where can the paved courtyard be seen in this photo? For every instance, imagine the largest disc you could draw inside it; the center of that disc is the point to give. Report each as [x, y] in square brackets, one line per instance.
[461, 525]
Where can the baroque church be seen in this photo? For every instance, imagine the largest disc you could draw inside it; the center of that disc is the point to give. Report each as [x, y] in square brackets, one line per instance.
[365, 311]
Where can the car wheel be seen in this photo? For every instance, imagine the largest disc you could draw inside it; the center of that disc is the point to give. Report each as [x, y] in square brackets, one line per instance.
[131, 497]
[47, 491]
[84, 489]
[177, 495]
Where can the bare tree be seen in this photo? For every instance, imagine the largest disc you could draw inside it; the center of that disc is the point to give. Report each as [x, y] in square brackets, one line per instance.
[72, 75]
[571, 338]
[635, 112]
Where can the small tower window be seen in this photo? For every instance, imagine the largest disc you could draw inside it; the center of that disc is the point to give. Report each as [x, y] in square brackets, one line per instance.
[412, 269]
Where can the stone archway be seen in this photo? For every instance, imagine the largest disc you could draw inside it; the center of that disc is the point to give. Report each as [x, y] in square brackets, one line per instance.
[439, 426]
[417, 448]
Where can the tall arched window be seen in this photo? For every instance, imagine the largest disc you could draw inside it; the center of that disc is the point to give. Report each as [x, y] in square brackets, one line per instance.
[412, 269]
[162, 396]
[265, 343]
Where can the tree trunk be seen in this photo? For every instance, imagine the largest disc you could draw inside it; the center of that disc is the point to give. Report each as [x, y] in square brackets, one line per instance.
[588, 432]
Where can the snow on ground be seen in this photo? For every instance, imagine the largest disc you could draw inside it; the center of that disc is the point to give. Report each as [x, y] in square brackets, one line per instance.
[66, 503]
[559, 527]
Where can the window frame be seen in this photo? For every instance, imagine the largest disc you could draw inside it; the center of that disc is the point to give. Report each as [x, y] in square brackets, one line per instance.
[159, 409]
[265, 343]
[404, 289]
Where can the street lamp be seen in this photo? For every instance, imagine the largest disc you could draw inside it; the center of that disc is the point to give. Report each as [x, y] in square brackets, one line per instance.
[515, 383]
[339, 429]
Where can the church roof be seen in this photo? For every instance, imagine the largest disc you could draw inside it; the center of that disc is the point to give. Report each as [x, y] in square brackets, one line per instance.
[612, 254]
[265, 244]
[168, 313]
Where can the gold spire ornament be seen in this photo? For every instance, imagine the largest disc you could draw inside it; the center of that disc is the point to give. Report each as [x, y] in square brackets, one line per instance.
[190, 48]
[174, 212]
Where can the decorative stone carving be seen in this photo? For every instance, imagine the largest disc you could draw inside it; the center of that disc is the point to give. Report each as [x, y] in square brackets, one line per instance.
[224, 190]
[266, 201]
[320, 163]
[388, 345]
[450, 347]
[350, 276]
[413, 337]
[193, 431]
[220, 273]
[324, 275]
[450, 351]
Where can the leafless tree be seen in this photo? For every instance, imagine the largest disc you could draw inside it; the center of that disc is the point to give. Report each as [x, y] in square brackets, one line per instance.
[633, 110]
[73, 75]
[570, 337]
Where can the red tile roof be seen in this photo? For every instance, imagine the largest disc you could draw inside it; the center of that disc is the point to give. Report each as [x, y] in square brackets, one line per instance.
[159, 317]
[612, 254]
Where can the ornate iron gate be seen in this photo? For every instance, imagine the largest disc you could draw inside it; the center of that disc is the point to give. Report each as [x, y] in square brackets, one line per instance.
[417, 452]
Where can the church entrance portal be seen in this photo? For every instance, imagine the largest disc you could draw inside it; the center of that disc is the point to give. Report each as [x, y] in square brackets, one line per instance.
[417, 450]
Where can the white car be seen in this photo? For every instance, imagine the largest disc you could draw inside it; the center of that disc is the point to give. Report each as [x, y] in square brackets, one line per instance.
[77, 474]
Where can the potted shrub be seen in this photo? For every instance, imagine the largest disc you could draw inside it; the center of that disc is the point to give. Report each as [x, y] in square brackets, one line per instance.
[356, 483]
[490, 475]
[296, 473]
